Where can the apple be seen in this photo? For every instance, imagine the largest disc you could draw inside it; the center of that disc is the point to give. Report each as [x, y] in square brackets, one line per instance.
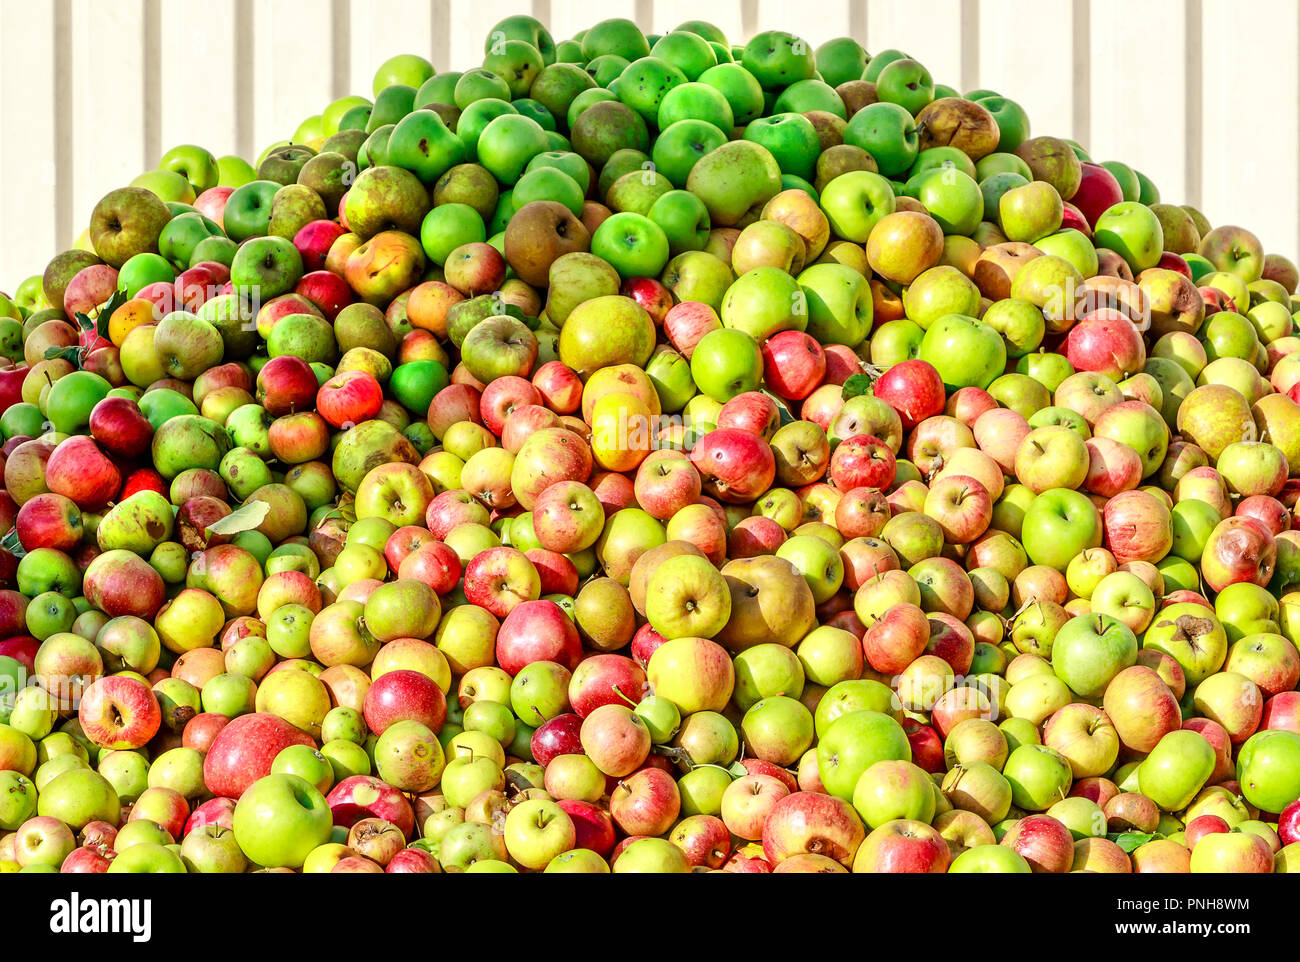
[903, 845]
[1176, 768]
[279, 819]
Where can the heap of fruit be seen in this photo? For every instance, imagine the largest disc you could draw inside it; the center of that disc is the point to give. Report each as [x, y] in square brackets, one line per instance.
[651, 455]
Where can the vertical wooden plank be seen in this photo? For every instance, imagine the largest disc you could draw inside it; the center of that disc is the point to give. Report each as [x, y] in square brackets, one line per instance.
[28, 232]
[1249, 145]
[1026, 54]
[645, 15]
[201, 54]
[64, 172]
[1193, 100]
[1081, 53]
[927, 30]
[107, 106]
[970, 44]
[814, 22]
[384, 28]
[292, 44]
[1139, 101]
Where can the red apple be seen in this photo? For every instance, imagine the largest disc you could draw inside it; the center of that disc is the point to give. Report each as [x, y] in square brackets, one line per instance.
[244, 750]
[404, 695]
[286, 384]
[912, 388]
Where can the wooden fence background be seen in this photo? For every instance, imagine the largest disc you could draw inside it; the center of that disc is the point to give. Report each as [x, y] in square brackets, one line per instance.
[1202, 95]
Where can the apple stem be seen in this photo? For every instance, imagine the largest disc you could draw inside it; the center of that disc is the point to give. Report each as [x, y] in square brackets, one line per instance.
[618, 691]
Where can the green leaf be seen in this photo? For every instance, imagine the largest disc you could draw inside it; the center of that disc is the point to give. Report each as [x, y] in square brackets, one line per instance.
[502, 309]
[782, 409]
[99, 323]
[245, 518]
[11, 543]
[70, 353]
[856, 385]
[1128, 841]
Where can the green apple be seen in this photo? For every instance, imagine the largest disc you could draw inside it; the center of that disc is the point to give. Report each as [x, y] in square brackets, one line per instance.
[617, 36]
[1030, 212]
[1268, 768]
[1131, 230]
[637, 191]
[279, 819]
[725, 363]
[684, 220]
[985, 859]
[896, 341]
[1039, 776]
[907, 83]
[733, 178]
[1193, 636]
[518, 62]
[166, 185]
[234, 171]
[806, 96]
[528, 29]
[1021, 327]
[966, 352]
[841, 60]
[1082, 816]
[407, 68]
[176, 244]
[852, 743]
[854, 202]
[698, 276]
[998, 163]
[643, 84]
[508, 143]
[537, 831]
[679, 147]
[670, 373]
[792, 140]
[1072, 246]
[1176, 769]
[1128, 180]
[838, 302]
[447, 227]
[763, 302]
[195, 164]
[79, 796]
[422, 144]
[777, 729]
[1013, 122]
[147, 858]
[938, 292]
[952, 198]
[888, 133]
[267, 267]
[778, 59]
[743, 93]
[1089, 650]
[817, 561]
[633, 244]
[1059, 524]
[248, 210]
[894, 789]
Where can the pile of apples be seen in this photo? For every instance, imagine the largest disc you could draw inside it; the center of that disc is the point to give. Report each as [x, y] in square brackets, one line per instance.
[643, 454]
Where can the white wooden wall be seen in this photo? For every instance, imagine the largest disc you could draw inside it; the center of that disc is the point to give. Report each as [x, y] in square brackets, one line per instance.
[1202, 95]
